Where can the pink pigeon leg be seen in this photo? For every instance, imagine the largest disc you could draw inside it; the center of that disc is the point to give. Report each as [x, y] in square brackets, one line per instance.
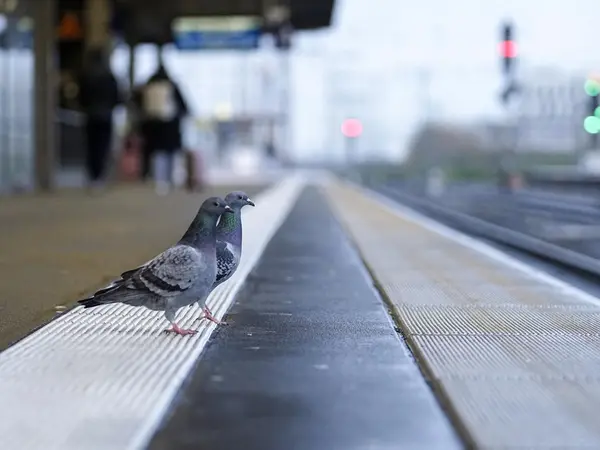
[180, 331]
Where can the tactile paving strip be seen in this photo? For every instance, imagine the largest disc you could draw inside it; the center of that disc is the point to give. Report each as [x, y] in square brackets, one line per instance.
[503, 320]
[103, 378]
[559, 357]
[515, 352]
[507, 414]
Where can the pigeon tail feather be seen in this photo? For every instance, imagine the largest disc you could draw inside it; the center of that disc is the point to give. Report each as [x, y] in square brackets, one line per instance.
[107, 290]
[89, 302]
[117, 283]
[99, 298]
[112, 294]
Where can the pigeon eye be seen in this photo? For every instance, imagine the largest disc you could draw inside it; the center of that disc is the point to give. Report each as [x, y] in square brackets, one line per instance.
[216, 203]
[240, 197]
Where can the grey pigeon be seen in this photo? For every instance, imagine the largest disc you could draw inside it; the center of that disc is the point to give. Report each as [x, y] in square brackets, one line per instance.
[229, 243]
[177, 277]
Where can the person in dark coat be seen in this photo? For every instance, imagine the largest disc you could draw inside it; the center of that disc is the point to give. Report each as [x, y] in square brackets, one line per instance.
[98, 95]
[162, 107]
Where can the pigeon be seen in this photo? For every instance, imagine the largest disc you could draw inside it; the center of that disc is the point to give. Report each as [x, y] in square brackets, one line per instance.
[178, 277]
[229, 243]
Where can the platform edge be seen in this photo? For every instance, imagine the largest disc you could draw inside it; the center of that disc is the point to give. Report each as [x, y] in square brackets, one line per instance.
[439, 392]
[221, 299]
[470, 242]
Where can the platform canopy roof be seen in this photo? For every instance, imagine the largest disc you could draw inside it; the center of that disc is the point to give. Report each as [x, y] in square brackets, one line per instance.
[150, 20]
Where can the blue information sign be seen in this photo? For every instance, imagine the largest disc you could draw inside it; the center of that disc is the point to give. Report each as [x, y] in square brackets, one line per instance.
[232, 32]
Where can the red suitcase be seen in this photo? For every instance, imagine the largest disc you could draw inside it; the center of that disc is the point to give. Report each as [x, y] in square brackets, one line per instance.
[130, 159]
[195, 170]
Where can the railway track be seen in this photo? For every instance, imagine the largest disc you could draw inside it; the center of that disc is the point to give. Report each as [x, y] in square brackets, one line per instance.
[571, 250]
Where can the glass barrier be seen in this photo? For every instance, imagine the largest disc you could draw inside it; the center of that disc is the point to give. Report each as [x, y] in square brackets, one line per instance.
[16, 97]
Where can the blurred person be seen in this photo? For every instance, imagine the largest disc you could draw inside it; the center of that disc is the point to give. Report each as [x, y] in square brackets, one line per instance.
[138, 126]
[270, 149]
[98, 96]
[162, 107]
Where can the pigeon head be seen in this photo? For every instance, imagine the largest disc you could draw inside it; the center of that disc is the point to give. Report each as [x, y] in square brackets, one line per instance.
[238, 199]
[215, 206]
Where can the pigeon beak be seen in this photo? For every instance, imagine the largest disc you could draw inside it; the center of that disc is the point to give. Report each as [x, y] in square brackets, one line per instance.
[228, 209]
[250, 202]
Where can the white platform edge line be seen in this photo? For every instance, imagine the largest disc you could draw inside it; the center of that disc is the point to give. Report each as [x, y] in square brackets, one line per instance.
[470, 242]
[280, 200]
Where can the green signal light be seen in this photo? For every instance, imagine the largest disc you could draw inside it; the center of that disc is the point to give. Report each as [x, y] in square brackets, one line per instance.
[591, 124]
[592, 88]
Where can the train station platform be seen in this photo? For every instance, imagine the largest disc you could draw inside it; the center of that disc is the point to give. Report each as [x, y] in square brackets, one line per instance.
[353, 323]
[57, 247]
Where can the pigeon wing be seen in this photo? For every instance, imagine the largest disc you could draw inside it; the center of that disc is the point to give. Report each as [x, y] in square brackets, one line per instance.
[170, 273]
[117, 283]
[129, 273]
[226, 261]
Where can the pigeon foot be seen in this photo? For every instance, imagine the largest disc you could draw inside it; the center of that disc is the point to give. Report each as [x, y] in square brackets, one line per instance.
[181, 331]
[208, 316]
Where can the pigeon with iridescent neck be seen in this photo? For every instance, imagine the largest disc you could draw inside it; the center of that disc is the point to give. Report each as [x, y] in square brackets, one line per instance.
[229, 243]
[180, 276]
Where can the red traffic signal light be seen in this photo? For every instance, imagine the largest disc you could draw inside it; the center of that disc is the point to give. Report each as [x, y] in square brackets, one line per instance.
[508, 49]
[352, 128]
